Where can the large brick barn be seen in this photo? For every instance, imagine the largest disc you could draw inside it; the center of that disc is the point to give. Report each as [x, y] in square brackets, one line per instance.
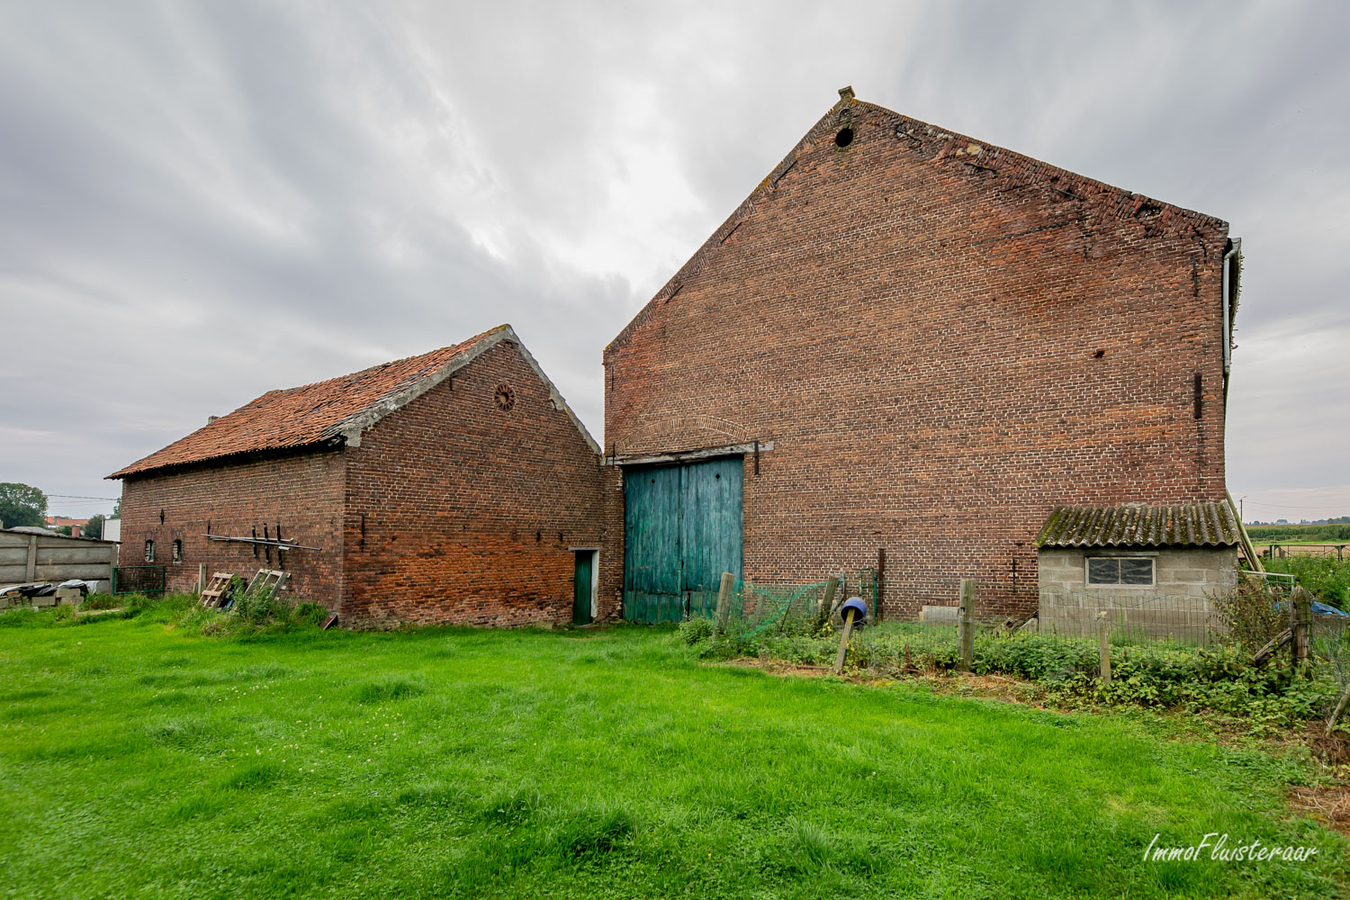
[907, 341]
[455, 486]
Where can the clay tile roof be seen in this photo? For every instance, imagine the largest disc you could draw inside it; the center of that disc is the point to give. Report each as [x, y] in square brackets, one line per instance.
[1210, 524]
[314, 414]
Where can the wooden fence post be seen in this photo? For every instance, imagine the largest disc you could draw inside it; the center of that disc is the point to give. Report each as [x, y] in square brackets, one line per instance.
[1104, 645]
[966, 628]
[826, 604]
[881, 582]
[843, 640]
[201, 577]
[724, 602]
[30, 564]
[1301, 604]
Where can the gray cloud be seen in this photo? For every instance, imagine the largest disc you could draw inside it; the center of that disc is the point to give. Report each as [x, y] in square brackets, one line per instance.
[200, 202]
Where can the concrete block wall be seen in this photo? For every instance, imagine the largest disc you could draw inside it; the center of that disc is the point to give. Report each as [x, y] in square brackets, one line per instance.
[1176, 605]
[43, 557]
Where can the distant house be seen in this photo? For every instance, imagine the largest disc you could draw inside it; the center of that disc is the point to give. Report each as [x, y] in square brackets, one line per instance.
[905, 350]
[456, 486]
[75, 525]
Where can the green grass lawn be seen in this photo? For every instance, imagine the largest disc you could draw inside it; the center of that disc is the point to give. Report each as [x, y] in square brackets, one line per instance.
[136, 760]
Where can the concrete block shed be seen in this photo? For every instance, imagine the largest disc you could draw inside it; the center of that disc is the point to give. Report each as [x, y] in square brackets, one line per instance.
[913, 346]
[1151, 569]
[456, 486]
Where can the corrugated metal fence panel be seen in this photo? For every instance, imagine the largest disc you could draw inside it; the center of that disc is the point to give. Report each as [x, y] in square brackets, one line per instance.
[711, 528]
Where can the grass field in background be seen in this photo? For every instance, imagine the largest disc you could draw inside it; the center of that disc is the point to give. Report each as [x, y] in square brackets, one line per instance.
[136, 760]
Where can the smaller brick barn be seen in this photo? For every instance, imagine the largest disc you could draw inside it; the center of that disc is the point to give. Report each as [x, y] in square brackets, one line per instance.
[456, 486]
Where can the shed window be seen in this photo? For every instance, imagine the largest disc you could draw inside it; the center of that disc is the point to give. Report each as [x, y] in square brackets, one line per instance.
[1121, 570]
[177, 551]
[149, 551]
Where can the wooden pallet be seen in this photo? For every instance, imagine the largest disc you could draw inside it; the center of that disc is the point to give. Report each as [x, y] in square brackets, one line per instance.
[218, 590]
[267, 584]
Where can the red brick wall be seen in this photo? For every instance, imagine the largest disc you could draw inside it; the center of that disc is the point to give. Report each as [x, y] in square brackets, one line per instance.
[944, 341]
[303, 493]
[469, 510]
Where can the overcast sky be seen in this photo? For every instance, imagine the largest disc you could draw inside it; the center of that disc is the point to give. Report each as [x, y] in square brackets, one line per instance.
[203, 201]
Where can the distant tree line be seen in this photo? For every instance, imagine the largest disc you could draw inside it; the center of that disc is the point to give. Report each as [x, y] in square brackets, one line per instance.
[22, 504]
[1291, 533]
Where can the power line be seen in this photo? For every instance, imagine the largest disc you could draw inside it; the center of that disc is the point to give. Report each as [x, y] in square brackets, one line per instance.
[75, 497]
[1300, 506]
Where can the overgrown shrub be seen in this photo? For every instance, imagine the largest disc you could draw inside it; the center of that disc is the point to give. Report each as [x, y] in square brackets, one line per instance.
[1252, 613]
[1065, 669]
[1326, 578]
[99, 601]
[253, 614]
[699, 628]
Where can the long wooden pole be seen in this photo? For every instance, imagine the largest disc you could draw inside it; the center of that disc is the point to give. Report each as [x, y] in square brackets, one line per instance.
[967, 624]
[1104, 645]
[843, 640]
[1340, 708]
[1300, 602]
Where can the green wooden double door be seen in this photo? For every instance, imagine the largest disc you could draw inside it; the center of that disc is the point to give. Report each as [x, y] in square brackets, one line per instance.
[682, 530]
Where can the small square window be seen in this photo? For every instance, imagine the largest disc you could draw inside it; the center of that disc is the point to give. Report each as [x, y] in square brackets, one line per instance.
[1120, 570]
[1103, 571]
[1136, 571]
[149, 551]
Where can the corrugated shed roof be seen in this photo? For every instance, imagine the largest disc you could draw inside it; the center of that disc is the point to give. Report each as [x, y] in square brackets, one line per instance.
[1210, 524]
[312, 414]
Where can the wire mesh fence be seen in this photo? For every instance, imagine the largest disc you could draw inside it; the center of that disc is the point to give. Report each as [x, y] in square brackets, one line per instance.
[1260, 611]
[1165, 649]
[764, 608]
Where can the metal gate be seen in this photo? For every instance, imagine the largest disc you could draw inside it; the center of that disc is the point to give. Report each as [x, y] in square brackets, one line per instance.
[682, 530]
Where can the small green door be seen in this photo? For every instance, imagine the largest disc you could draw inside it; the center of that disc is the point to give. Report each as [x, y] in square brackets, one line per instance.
[682, 530]
[581, 588]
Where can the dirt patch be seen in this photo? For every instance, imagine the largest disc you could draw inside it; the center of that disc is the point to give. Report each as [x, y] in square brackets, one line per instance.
[1328, 804]
[963, 684]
